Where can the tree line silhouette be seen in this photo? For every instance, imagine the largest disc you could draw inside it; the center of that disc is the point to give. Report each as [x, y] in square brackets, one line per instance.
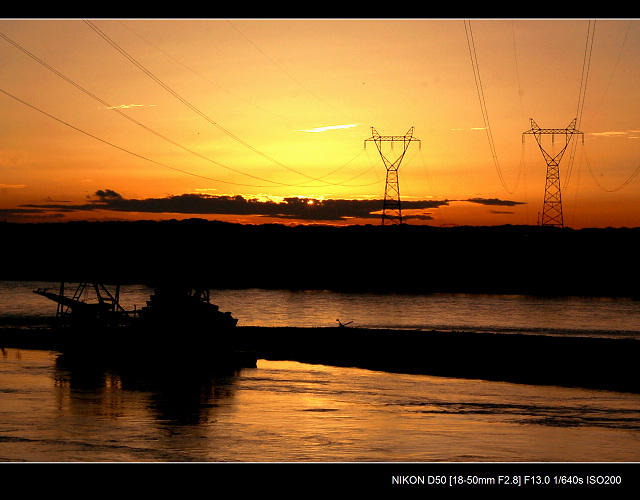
[366, 258]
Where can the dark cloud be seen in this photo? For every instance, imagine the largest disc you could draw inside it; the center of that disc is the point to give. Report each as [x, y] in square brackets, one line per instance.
[200, 204]
[29, 213]
[417, 217]
[293, 208]
[495, 201]
[11, 211]
[108, 194]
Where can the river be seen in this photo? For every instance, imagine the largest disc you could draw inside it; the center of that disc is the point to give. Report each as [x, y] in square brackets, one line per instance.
[285, 411]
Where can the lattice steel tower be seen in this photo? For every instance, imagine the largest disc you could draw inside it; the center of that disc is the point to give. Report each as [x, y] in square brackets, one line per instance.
[391, 209]
[552, 209]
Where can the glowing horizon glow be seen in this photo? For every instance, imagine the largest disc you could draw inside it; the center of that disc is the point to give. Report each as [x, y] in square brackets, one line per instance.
[230, 106]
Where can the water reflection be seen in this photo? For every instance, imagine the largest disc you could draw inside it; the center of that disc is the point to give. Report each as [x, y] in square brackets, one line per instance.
[170, 395]
[282, 411]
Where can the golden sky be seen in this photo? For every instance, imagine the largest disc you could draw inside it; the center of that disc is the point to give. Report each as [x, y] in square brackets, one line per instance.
[132, 118]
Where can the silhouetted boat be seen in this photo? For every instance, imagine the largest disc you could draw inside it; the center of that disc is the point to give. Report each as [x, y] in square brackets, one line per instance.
[178, 324]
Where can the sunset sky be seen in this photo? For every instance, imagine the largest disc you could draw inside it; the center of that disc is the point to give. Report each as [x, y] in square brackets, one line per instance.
[265, 120]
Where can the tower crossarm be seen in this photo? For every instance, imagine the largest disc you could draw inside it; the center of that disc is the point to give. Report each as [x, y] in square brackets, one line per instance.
[376, 137]
[551, 131]
[392, 138]
[537, 131]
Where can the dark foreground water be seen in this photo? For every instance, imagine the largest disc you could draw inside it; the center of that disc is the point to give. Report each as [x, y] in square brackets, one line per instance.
[293, 412]
[287, 411]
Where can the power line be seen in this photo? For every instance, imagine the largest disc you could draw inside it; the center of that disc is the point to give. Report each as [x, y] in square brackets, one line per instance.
[615, 66]
[627, 181]
[93, 136]
[483, 105]
[637, 170]
[201, 75]
[286, 72]
[114, 145]
[585, 70]
[586, 64]
[121, 113]
[515, 57]
[124, 115]
[192, 107]
[239, 97]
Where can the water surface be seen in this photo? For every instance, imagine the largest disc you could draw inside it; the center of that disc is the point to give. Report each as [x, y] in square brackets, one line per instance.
[592, 316]
[51, 411]
[292, 412]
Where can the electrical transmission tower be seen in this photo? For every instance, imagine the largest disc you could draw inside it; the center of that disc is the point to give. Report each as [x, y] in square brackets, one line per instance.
[552, 209]
[391, 209]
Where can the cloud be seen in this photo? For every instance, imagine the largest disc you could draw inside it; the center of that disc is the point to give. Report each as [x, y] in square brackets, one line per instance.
[407, 217]
[108, 194]
[495, 202]
[21, 211]
[632, 134]
[330, 127]
[127, 106]
[292, 208]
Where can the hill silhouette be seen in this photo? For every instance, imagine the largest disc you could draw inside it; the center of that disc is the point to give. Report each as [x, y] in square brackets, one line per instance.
[374, 258]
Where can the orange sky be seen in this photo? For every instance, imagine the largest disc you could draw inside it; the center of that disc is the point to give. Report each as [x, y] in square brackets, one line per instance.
[276, 109]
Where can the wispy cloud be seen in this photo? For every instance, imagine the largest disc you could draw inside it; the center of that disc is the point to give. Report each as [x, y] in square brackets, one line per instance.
[330, 127]
[127, 106]
[632, 134]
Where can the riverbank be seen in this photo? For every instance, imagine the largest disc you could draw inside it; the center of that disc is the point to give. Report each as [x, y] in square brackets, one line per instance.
[595, 363]
[520, 260]
[532, 359]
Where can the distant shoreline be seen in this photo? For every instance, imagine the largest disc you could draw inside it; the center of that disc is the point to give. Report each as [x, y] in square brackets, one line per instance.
[525, 260]
[594, 363]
